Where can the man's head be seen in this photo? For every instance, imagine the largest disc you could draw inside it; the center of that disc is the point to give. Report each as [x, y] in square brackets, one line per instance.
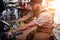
[35, 7]
[35, 4]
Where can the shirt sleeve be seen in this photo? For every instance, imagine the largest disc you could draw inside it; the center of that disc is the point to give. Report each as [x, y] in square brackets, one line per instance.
[42, 18]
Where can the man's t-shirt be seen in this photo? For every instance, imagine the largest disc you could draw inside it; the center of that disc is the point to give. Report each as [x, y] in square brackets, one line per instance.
[44, 22]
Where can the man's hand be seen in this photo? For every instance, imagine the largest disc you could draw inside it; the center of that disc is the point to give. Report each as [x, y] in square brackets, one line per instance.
[8, 34]
[14, 21]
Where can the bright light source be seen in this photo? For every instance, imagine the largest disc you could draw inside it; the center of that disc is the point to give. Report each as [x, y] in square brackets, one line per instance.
[56, 5]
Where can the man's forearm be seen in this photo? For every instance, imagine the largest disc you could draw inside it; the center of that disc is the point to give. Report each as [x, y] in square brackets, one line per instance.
[24, 18]
[26, 26]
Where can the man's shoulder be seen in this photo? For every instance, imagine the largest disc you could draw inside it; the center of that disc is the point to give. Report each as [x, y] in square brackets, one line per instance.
[45, 13]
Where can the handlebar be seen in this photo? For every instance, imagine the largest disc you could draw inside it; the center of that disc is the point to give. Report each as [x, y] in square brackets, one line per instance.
[4, 22]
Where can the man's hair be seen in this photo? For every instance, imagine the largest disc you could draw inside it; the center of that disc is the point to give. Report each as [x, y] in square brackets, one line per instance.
[1, 6]
[36, 1]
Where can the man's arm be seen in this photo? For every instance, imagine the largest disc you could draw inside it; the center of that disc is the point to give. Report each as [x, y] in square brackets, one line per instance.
[24, 18]
[26, 26]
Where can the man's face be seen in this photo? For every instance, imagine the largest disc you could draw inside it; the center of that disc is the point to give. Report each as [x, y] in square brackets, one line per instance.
[34, 6]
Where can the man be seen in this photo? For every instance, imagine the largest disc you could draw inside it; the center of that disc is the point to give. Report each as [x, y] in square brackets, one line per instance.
[42, 18]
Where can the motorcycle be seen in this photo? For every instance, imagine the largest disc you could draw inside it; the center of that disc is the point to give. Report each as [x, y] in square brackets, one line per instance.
[4, 28]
